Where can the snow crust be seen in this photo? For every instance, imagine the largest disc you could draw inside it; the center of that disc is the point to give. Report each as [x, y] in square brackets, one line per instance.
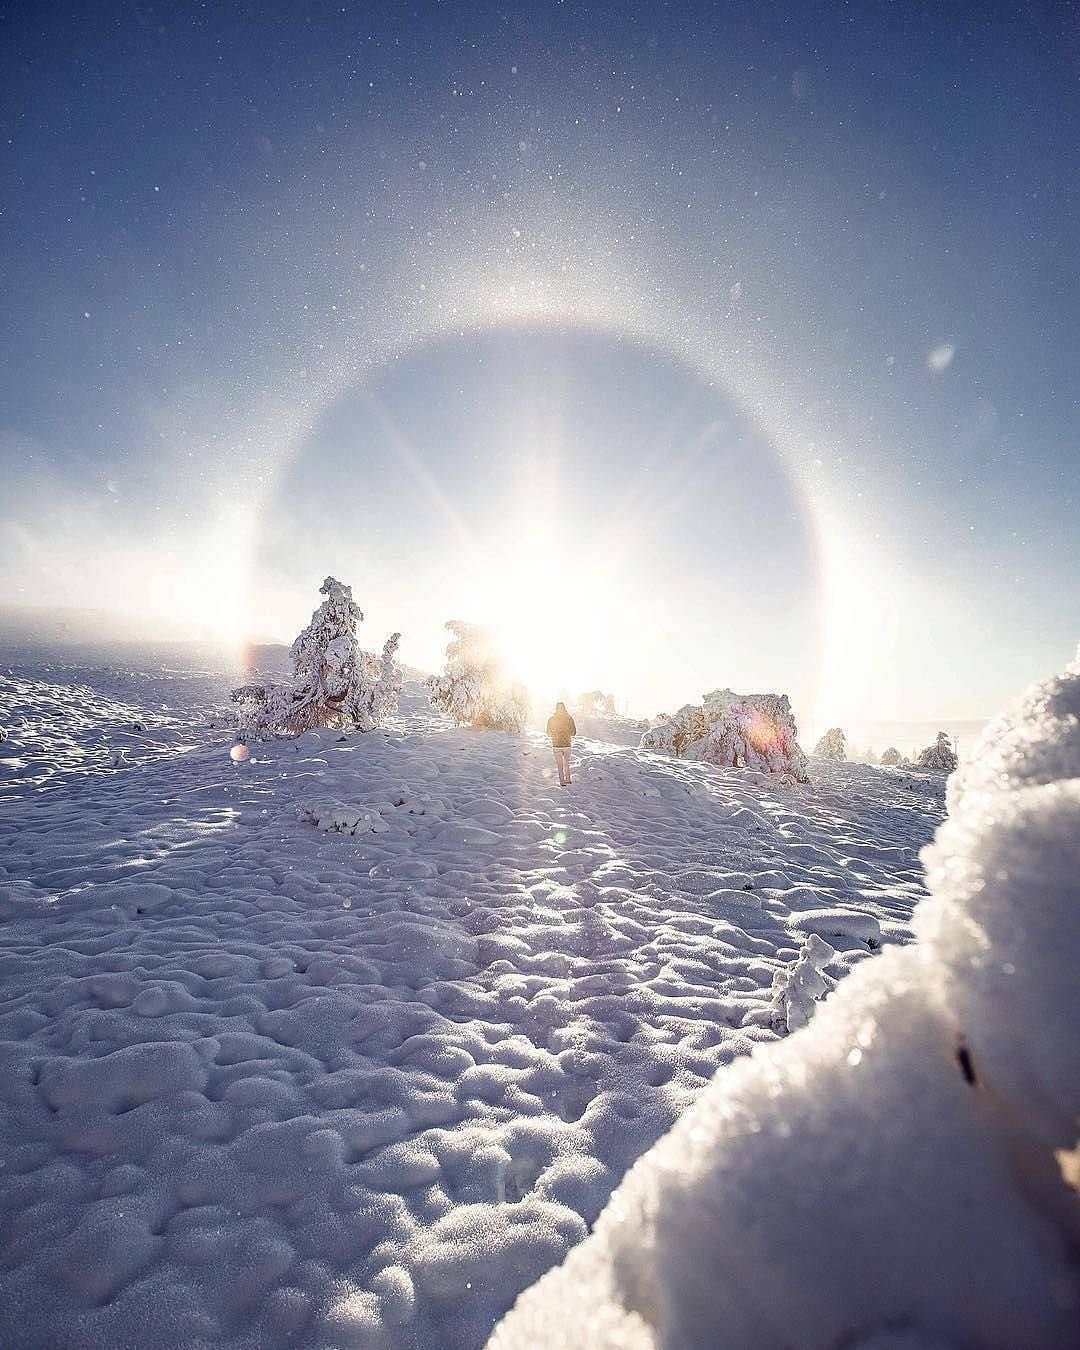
[892, 1175]
[350, 1042]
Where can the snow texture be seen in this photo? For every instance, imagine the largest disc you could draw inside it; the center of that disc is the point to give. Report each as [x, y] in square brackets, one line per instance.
[755, 731]
[348, 1043]
[893, 1174]
[833, 745]
[940, 755]
[334, 683]
[472, 691]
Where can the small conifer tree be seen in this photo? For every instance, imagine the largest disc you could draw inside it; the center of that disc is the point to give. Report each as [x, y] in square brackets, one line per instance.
[471, 690]
[335, 683]
[940, 755]
[833, 745]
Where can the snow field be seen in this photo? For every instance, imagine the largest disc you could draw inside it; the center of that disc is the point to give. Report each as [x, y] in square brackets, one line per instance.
[350, 1043]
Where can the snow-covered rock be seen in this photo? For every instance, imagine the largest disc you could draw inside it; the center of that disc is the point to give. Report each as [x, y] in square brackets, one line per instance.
[895, 1169]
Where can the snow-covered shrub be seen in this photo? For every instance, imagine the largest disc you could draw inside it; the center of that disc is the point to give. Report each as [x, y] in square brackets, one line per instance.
[340, 818]
[833, 745]
[754, 731]
[892, 756]
[940, 755]
[472, 689]
[932, 1102]
[673, 735]
[798, 987]
[335, 683]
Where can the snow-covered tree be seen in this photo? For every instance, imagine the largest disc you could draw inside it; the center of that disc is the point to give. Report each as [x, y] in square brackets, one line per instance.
[754, 731]
[892, 756]
[595, 703]
[472, 689]
[833, 745]
[335, 683]
[940, 755]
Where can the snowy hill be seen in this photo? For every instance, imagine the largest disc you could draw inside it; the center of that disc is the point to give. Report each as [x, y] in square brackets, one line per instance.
[350, 1043]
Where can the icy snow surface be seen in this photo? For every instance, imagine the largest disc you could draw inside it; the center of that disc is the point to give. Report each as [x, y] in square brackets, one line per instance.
[896, 1174]
[348, 1044]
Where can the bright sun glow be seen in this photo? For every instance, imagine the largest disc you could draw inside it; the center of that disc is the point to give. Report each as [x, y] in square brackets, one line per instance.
[561, 620]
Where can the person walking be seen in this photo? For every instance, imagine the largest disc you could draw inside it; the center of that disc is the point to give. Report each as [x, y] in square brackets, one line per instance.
[562, 729]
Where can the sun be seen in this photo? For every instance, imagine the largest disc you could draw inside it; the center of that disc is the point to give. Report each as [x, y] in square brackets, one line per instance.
[560, 626]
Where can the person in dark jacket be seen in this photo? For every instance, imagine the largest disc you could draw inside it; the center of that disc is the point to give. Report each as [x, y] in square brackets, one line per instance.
[562, 729]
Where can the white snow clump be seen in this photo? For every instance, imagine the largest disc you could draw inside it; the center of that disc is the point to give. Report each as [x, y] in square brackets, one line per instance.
[896, 1172]
[335, 683]
[797, 988]
[755, 731]
[940, 755]
[472, 690]
[833, 745]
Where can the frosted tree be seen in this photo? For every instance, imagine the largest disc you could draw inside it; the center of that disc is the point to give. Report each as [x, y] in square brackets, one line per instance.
[833, 745]
[940, 755]
[335, 683]
[472, 690]
[892, 756]
[595, 703]
[755, 731]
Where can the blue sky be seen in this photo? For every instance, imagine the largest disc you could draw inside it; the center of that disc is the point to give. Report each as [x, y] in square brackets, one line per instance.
[417, 291]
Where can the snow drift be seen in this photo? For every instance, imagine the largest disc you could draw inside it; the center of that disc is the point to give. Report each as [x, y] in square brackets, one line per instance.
[891, 1174]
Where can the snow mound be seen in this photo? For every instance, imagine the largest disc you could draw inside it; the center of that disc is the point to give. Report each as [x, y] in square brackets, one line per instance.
[842, 1187]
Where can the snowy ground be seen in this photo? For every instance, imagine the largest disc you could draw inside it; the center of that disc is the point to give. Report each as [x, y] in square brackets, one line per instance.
[270, 1083]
